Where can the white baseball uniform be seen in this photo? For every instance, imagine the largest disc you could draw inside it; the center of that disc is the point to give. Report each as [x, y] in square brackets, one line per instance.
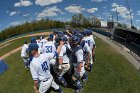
[65, 65]
[86, 50]
[78, 59]
[90, 41]
[49, 47]
[24, 54]
[40, 46]
[43, 41]
[40, 70]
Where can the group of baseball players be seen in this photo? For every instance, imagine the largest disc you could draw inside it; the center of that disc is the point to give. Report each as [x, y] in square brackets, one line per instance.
[62, 58]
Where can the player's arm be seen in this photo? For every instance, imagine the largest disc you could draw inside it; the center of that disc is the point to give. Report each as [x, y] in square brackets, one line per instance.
[56, 53]
[60, 59]
[36, 86]
[60, 47]
[34, 74]
[79, 55]
[68, 33]
[87, 49]
[80, 65]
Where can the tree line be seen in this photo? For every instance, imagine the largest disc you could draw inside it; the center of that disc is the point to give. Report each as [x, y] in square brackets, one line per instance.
[27, 27]
[78, 20]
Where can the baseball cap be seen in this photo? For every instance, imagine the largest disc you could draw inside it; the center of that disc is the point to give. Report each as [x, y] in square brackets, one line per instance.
[33, 46]
[50, 36]
[75, 39]
[33, 40]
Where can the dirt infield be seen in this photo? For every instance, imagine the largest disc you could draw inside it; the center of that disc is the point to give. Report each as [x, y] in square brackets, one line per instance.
[36, 34]
[10, 53]
[17, 49]
[4, 45]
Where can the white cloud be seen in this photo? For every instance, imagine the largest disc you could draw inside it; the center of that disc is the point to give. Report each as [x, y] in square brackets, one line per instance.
[26, 15]
[92, 10]
[64, 19]
[17, 4]
[98, 0]
[106, 13]
[13, 13]
[115, 5]
[137, 20]
[15, 23]
[49, 11]
[122, 11]
[138, 12]
[23, 3]
[46, 2]
[75, 9]
[105, 7]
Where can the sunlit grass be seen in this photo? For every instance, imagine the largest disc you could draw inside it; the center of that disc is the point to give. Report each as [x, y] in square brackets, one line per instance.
[112, 73]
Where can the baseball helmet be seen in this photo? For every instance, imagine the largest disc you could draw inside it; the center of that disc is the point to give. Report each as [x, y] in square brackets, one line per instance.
[50, 36]
[75, 39]
[33, 40]
[33, 46]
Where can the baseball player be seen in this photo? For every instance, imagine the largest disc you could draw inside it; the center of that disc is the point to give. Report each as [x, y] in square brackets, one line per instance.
[24, 55]
[94, 46]
[64, 65]
[32, 40]
[39, 44]
[43, 41]
[86, 52]
[49, 47]
[91, 44]
[77, 59]
[40, 69]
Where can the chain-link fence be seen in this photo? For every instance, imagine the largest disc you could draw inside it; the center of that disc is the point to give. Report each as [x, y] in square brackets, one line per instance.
[120, 41]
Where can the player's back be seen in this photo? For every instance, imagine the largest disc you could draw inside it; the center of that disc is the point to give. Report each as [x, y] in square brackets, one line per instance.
[49, 47]
[24, 49]
[43, 41]
[63, 54]
[42, 66]
[90, 41]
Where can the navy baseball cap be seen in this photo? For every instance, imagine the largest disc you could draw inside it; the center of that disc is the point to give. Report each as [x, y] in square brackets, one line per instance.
[33, 40]
[33, 46]
[50, 36]
[75, 39]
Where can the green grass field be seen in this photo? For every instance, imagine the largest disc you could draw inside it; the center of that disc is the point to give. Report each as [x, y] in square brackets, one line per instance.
[112, 74]
[15, 44]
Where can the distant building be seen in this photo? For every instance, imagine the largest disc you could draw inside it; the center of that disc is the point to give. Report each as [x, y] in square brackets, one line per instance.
[95, 21]
[103, 24]
[111, 25]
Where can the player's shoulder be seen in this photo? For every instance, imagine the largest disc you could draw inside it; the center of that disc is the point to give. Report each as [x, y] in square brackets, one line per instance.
[79, 52]
[25, 46]
[34, 62]
[78, 49]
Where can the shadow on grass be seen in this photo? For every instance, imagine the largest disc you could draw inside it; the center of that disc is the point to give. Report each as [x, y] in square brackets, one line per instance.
[3, 67]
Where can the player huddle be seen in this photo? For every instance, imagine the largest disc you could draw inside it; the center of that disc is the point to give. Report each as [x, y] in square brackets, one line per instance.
[63, 58]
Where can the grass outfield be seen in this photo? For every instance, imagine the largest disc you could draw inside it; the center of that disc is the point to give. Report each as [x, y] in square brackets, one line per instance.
[13, 45]
[112, 74]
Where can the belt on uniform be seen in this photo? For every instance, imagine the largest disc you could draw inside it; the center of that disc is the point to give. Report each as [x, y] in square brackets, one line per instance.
[46, 80]
[65, 63]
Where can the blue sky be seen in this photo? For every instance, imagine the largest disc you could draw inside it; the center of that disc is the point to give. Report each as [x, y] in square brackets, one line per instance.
[15, 12]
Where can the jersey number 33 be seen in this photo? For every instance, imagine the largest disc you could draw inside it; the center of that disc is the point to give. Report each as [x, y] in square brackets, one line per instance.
[48, 49]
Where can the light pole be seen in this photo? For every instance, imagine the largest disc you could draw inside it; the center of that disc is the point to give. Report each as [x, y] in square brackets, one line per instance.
[130, 13]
